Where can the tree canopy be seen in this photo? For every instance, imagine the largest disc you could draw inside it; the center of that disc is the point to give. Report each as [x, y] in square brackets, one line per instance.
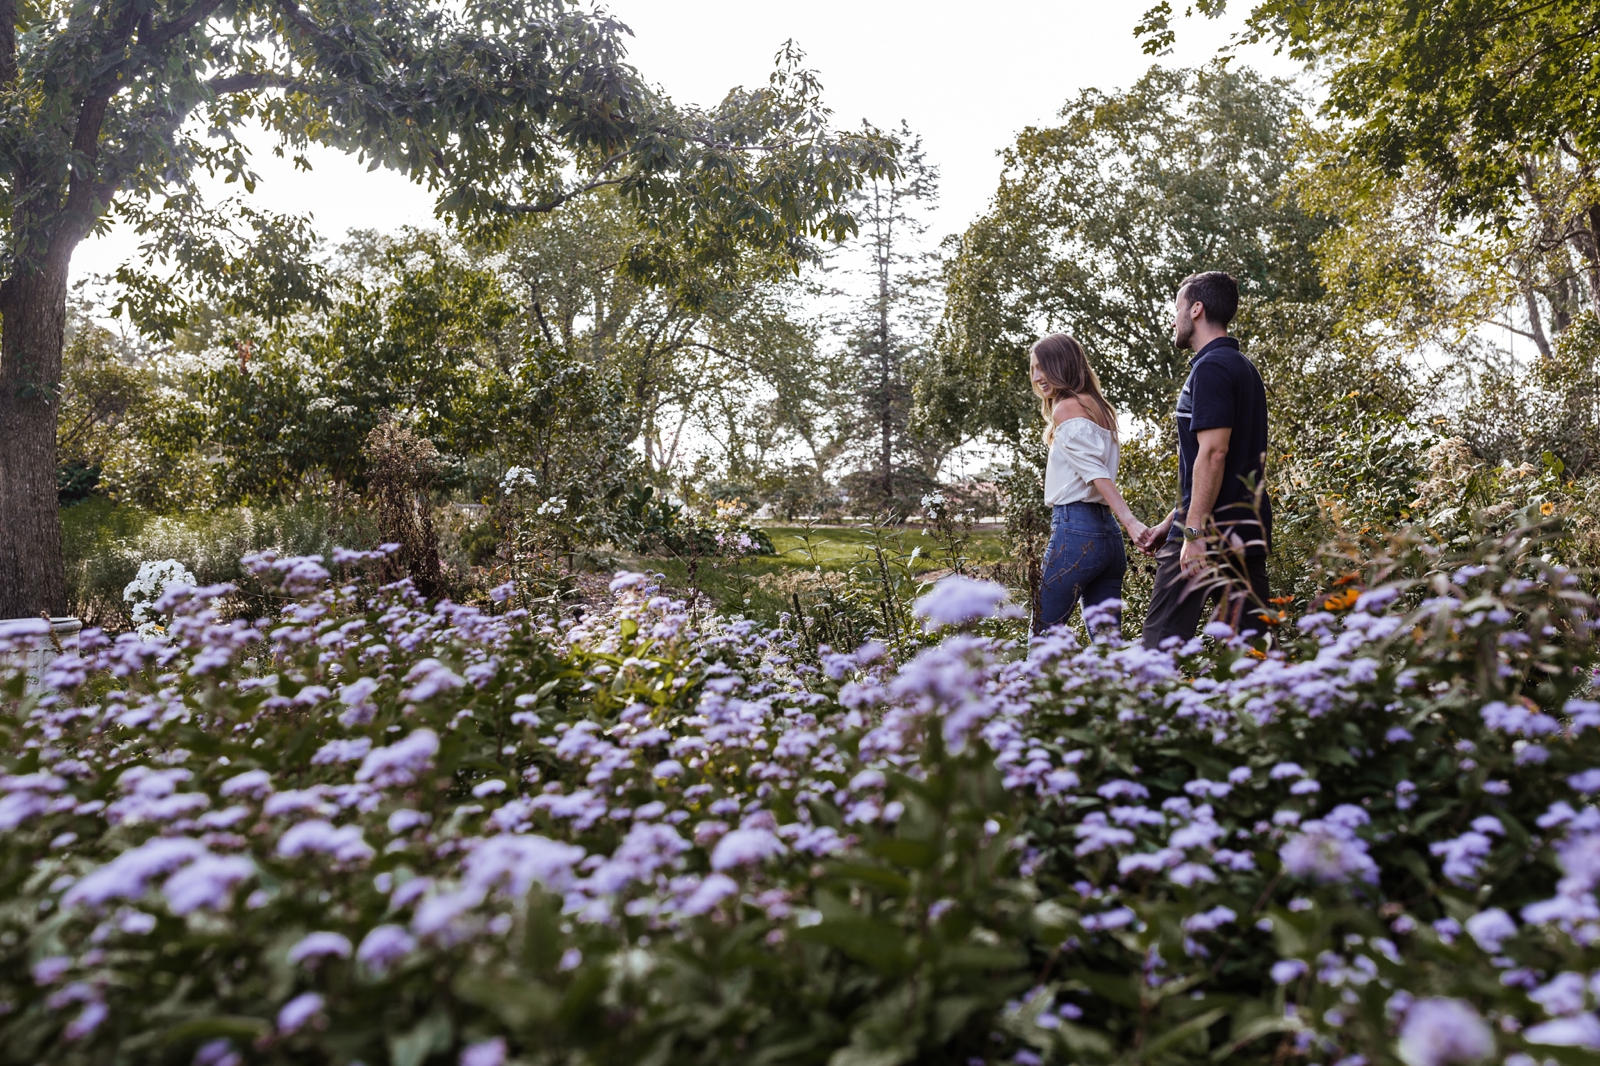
[1096, 221]
[112, 109]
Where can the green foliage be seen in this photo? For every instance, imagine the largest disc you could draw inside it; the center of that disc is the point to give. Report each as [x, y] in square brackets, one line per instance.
[104, 543]
[1095, 223]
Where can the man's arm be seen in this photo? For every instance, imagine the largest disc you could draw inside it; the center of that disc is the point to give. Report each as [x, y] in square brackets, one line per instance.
[1211, 458]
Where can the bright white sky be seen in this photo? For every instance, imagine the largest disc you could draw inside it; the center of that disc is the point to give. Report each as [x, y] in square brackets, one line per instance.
[967, 77]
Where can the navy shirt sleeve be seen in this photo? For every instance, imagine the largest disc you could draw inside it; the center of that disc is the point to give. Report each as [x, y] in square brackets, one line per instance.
[1216, 398]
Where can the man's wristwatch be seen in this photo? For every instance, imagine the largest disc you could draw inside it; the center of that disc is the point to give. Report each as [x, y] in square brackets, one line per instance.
[1190, 533]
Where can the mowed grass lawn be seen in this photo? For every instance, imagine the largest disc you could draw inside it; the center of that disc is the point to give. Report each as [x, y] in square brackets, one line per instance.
[735, 585]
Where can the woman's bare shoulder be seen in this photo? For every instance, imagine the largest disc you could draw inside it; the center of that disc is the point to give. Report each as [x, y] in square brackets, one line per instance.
[1069, 407]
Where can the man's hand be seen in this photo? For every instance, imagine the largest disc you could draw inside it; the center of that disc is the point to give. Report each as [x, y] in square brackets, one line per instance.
[1193, 556]
[1153, 536]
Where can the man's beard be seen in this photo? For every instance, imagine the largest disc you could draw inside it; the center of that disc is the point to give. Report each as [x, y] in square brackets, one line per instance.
[1183, 333]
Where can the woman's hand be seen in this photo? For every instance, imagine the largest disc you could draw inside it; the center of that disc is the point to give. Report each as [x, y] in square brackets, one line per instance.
[1137, 532]
[1154, 535]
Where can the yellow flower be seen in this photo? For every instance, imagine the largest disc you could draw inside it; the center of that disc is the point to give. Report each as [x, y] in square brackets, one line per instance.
[1547, 509]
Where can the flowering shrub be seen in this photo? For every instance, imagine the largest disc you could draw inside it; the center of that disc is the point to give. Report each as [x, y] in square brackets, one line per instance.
[370, 830]
[149, 586]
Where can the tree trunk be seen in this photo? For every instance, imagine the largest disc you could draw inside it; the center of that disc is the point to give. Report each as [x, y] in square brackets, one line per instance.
[33, 317]
[1591, 253]
[885, 404]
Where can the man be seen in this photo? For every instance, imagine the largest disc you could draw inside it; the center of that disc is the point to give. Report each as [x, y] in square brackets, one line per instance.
[1214, 545]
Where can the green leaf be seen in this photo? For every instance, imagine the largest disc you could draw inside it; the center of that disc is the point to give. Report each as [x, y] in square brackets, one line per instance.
[878, 944]
[917, 854]
[1173, 1037]
[1253, 1030]
[433, 1034]
[232, 1026]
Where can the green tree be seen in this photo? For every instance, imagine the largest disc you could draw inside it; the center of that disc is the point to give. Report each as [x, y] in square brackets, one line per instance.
[890, 324]
[1489, 104]
[722, 356]
[503, 108]
[1096, 221]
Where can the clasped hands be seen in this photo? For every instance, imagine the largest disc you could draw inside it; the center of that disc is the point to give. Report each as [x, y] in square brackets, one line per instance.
[1148, 539]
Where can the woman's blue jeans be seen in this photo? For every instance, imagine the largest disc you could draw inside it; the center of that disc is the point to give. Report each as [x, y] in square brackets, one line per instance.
[1084, 562]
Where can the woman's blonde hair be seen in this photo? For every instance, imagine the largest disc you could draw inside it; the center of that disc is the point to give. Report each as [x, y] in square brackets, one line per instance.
[1066, 372]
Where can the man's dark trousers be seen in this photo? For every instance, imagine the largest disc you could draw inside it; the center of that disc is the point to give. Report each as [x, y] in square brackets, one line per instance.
[1175, 607]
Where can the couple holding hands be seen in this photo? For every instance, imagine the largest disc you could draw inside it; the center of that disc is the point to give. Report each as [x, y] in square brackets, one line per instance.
[1213, 546]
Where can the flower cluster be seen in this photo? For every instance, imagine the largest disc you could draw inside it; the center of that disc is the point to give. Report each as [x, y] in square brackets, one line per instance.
[145, 592]
[375, 829]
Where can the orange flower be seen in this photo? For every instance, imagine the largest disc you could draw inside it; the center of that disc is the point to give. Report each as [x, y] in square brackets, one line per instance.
[1547, 509]
[1339, 601]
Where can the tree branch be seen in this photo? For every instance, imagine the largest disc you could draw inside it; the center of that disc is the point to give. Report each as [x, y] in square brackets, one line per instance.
[550, 205]
[245, 83]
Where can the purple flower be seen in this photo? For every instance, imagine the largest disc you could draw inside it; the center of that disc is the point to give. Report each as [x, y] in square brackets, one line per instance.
[88, 1020]
[207, 882]
[316, 945]
[1463, 855]
[335, 751]
[429, 678]
[1562, 995]
[401, 763]
[50, 970]
[485, 1053]
[344, 843]
[1286, 970]
[1437, 1032]
[627, 580]
[713, 890]
[745, 847]
[1209, 920]
[405, 819]
[383, 946]
[515, 864]
[958, 600]
[1116, 789]
[1112, 919]
[1490, 928]
[128, 875]
[250, 783]
[1326, 852]
[218, 1052]
[1586, 782]
[1582, 1030]
[298, 1011]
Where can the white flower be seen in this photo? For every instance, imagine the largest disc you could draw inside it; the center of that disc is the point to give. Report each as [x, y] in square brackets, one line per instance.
[515, 478]
[148, 586]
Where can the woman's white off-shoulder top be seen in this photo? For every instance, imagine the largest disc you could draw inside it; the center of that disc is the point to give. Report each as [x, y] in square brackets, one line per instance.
[1082, 451]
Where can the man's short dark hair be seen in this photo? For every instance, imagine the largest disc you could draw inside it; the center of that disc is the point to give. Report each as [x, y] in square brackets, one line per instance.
[1217, 292]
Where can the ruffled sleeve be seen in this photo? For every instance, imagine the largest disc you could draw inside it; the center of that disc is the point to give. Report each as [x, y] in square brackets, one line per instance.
[1083, 449]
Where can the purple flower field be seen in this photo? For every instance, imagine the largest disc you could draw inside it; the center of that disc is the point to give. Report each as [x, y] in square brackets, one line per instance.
[367, 830]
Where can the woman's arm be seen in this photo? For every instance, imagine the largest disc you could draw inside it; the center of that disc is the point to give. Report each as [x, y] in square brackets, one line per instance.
[1119, 507]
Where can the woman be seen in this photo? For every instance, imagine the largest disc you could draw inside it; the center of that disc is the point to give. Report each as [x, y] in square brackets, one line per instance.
[1085, 559]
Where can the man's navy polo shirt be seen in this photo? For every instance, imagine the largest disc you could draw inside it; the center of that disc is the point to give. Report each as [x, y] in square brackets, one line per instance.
[1224, 390]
